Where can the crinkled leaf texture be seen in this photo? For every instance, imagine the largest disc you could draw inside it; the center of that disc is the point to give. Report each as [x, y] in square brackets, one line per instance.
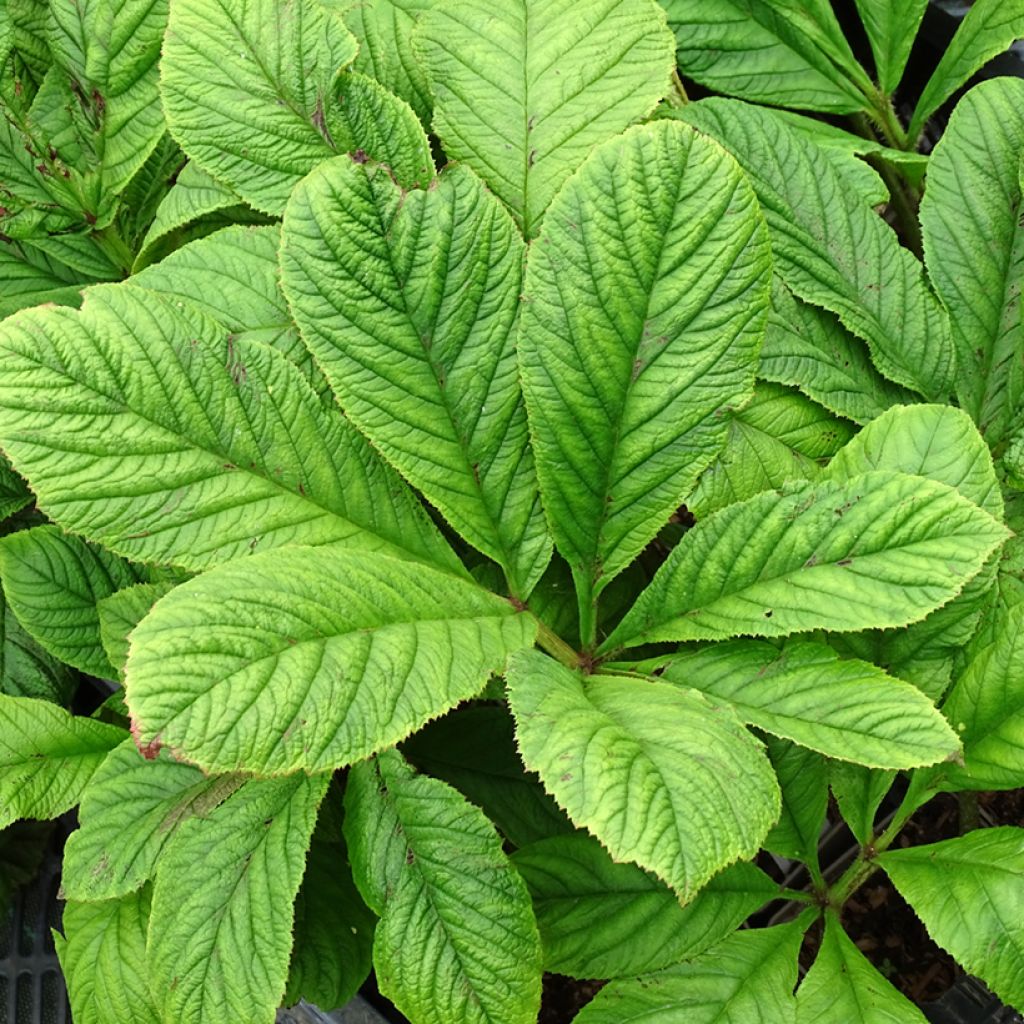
[645, 300]
[891, 29]
[26, 670]
[524, 90]
[586, 903]
[881, 549]
[120, 613]
[846, 709]
[140, 424]
[658, 774]
[408, 300]
[457, 940]
[968, 893]
[311, 658]
[220, 931]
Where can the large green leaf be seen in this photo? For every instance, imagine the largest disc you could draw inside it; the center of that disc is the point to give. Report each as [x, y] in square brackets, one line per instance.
[525, 89]
[457, 940]
[655, 772]
[26, 670]
[220, 931]
[103, 959]
[408, 300]
[748, 979]
[311, 658]
[842, 987]
[989, 28]
[832, 250]
[762, 50]
[645, 299]
[53, 582]
[585, 903]
[974, 244]
[882, 549]
[139, 424]
[968, 891]
[47, 757]
[892, 28]
[131, 810]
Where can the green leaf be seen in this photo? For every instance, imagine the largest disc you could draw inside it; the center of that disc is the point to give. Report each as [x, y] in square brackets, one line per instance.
[103, 958]
[762, 50]
[47, 757]
[585, 903]
[186, 450]
[14, 493]
[311, 658]
[26, 670]
[524, 90]
[408, 300]
[456, 940]
[859, 792]
[645, 298]
[882, 549]
[968, 893]
[832, 250]
[808, 348]
[803, 781]
[653, 771]
[974, 245]
[847, 709]
[989, 28]
[892, 28]
[53, 582]
[220, 932]
[842, 987]
[132, 808]
[30, 277]
[748, 979]
[120, 613]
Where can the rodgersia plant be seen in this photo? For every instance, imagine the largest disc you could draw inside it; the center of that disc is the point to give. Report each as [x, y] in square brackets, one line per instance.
[497, 558]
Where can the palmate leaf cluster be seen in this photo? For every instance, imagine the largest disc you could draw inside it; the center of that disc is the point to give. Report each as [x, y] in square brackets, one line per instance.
[502, 535]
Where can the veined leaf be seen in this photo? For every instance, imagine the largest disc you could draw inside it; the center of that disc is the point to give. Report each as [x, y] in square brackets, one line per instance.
[103, 959]
[645, 299]
[53, 582]
[967, 892]
[803, 782]
[832, 250]
[846, 709]
[989, 28]
[408, 300]
[974, 245]
[138, 424]
[26, 670]
[14, 493]
[585, 903]
[120, 613]
[525, 89]
[891, 28]
[747, 979]
[220, 931]
[882, 549]
[132, 808]
[651, 770]
[31, 277]
[842, 987]
[47, 757]
[311, 658]
[456, 940]
[859, 792]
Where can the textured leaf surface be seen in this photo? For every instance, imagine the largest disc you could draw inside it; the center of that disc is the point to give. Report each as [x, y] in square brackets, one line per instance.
[103, 959]
[53, 582]
[26, 670]
[644, 303]
[524, 90]
[882, 549]
[859, 793]
[968, 893]
[31, 277]
[131, 810]
[220, 933]
[842, 987]
[138, 425]
[803, 782]
[14, 493]
[651, 770]
[804, 692]
[120, 613]
[457, 939]
[408, 300]
[311, 658]
[974, 245]
[47, 757]
[832, 250]
[585, 903]
[892, 28]
[748, 979]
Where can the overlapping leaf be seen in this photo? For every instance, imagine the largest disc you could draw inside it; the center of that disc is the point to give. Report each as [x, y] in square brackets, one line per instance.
[120, 613]
[803, 781]
[891, 28]
[26, 670]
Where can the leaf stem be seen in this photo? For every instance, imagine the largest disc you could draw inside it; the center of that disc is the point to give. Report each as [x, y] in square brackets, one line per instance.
[885, 114]
[550, 641]
[799, 895]
[588, 612]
